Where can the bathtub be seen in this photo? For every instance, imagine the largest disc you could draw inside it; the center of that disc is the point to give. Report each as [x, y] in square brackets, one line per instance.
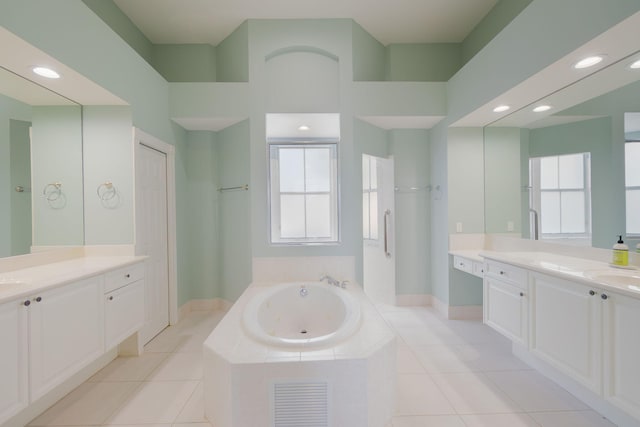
[302, 315]
[305, 351]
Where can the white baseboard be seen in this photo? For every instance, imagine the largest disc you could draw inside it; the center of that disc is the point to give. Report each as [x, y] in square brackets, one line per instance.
[203, 305]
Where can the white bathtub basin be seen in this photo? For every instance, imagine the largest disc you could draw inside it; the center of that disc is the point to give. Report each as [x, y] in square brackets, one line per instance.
[302, 315]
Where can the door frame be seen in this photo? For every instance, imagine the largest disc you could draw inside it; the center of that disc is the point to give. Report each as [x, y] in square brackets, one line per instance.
[142, 138]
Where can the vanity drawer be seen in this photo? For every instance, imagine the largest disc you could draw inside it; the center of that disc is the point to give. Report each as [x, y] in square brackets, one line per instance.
[478, 268]
[463, 264]
[506, 272]
[123, 276]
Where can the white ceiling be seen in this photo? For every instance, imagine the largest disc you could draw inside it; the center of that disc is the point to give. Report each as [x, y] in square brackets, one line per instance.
[398, 21]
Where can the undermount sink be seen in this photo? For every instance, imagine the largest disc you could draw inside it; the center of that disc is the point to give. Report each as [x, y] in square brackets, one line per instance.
[631, 278]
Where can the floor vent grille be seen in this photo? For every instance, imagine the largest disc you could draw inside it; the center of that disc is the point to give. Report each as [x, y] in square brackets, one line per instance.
[300, 404]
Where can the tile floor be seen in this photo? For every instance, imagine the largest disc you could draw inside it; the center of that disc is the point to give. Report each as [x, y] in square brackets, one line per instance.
[450, 374]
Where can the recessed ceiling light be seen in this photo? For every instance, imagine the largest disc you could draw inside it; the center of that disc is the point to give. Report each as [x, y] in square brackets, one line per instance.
[541, 108]
[635, 65]
[303, 127]
[589, 61]
[501, 108]
[46, 72]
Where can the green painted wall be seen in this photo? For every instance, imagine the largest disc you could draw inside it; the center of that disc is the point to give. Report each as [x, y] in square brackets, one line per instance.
[439, 212]
[56, 157]
[466, 179]
[368, 56]
[232, 56]
[494, 22]
[235, 210]
[204, 232]
[503, 187]
[410, 151]
[592, 136]
[185, 62]
[20, 202]
[107, 142]
[111, 14]
[9, 109]
[433, 62]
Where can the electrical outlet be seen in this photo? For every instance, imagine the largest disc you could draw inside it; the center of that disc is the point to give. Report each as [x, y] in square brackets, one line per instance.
[509, 225]
[458, 227]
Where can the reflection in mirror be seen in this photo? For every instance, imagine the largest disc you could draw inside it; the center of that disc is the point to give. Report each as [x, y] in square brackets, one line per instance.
[41, 168]
[586, 117]
[632, 172]
[560, 198]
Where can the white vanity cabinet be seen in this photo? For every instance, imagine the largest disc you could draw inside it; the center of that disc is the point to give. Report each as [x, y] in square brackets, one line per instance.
[124, 304]
[66, 332]
[566, 329]
[14, 395]
[621, 315]
[505, 306]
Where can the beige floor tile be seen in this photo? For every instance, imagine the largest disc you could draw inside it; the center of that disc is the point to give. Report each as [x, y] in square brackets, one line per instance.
[88, 404]
[134, 368]
[178, 367]
[571, 419]
[193, 411]
[428, 420]
[498, 420]
[474, 393]
[533, 392]
[154, 402]
[417, 394]
[407, 362]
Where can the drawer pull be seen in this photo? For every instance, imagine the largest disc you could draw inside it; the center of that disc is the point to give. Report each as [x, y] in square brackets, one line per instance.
[604, 296]
[521, 294]
[502, 273]
[592, 292]
[111, 298]
[127, 275]
[38, 299]
[27, 303]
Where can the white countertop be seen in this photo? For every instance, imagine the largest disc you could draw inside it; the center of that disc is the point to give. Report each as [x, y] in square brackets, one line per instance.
[471, 254]
[586, 271]
[27, 281]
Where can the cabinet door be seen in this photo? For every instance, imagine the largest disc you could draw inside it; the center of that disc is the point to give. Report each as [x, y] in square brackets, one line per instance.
[505, 309]
[622, 352]
[67, 333]
[13, 359]
[566, 328]
[124, 313]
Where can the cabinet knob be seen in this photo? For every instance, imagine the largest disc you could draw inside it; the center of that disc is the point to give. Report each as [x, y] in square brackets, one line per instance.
[521, 294]
[127, 275]
[111, 298]
[501, 272]
[38, 299]
[604, 296]
[27, 303]
[592, 292]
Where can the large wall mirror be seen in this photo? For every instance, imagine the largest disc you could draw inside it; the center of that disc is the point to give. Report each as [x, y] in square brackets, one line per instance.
[41, 168]
[568, 171]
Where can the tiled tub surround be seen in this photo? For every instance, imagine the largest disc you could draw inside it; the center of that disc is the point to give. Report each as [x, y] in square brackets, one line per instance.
[60, 322]
[248, 383]
[575, 320]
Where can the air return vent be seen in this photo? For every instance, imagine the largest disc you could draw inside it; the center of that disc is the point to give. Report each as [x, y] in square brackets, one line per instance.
[300, 404]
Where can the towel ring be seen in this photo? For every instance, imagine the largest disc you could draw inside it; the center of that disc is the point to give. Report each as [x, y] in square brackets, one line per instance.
[53, 191]
[106, 191]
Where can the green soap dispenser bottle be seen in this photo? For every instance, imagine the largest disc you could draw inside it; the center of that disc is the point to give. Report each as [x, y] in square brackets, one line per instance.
[620, 253]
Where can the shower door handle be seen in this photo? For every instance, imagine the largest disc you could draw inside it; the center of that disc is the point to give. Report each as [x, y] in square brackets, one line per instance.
[387, 225]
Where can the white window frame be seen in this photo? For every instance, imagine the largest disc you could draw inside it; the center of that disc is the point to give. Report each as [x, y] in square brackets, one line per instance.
[275, 193]
[628, 188]
[536, 195]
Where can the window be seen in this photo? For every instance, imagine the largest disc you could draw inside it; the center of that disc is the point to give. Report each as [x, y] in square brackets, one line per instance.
[561, 195]
[369, 197]
[304, 193]
[632, 186]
